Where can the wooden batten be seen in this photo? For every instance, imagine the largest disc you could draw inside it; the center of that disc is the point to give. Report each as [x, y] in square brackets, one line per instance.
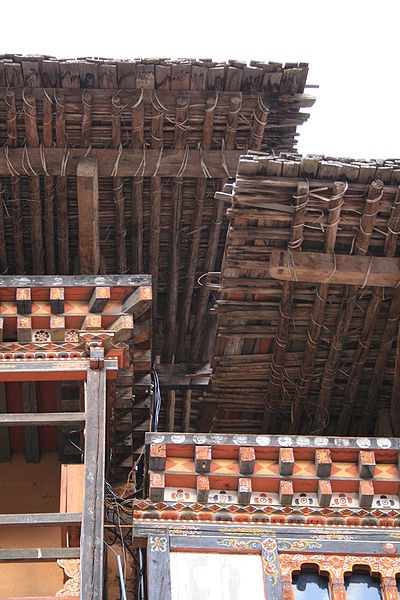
[88, 211]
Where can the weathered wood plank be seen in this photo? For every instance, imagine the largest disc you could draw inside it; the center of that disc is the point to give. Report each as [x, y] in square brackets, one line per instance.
[130, 161]
[37, 554]
[36, 419]
[88, 212]
[40, 519]
[317, 267]
[93, 516]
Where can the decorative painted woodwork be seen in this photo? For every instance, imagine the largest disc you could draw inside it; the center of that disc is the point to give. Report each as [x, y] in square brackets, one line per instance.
[346, 520]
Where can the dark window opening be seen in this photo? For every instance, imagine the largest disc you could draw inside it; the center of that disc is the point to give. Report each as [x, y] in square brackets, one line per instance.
[310, 585]
[362, 585]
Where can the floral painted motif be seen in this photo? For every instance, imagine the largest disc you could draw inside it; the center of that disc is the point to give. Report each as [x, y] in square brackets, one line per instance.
[71, 569]
[158, 544]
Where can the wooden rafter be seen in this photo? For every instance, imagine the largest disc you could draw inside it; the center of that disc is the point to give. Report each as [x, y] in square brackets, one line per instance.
[346, 310]
[318, 310]
[274, 387]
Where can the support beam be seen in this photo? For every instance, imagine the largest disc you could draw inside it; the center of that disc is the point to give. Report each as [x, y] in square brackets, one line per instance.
[36, 419]
[29, 403]
[345, 314]
[88, 213]
[274, 385]
[37, 554]
[138, 302]
[99, 299]
[92, 536]
[40, 519]
[317, 267]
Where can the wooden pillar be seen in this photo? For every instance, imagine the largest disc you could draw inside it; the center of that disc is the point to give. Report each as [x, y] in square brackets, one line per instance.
[389, 588]
[92, 538]
[338, 591]
[88, 213]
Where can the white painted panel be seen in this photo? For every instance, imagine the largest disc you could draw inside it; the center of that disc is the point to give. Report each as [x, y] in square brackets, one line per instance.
[211, 576]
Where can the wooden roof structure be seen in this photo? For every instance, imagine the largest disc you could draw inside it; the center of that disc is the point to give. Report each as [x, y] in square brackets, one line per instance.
[309, 300]
[161, 138]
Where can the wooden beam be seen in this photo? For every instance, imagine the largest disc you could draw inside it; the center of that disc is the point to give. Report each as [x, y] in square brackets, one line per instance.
[137, 186]
[88, 214]
[48, 281]
[387, 338]
[99, 299]
[395, 401]
[61, 187]
[38, 554]
[371, 315]
[195, 237]
[23, 299]
[316, 267]
[130, 161]
[35, 201]
[92, 322]
[40, 519]
[157, 125]
[49, 223]
[92, 535]
[184, 376]
[36, 419]
[57, 300]
[345, 314]
[29, 404]
[122, 328]
[138, 302]
[168, 354]
[274, 385]
[204, 292]
[5, 449]
[118, 188]
[3, 248]
[24, 329]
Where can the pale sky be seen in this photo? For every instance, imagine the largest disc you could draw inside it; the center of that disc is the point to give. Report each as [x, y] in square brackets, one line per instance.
[352, 46]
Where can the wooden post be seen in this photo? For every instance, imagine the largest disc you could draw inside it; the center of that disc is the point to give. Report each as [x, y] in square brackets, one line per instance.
[88, 213]
[92, 537]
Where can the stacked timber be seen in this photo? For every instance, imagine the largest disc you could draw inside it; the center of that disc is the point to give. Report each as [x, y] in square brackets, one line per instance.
[165, 136]
[309, 300]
